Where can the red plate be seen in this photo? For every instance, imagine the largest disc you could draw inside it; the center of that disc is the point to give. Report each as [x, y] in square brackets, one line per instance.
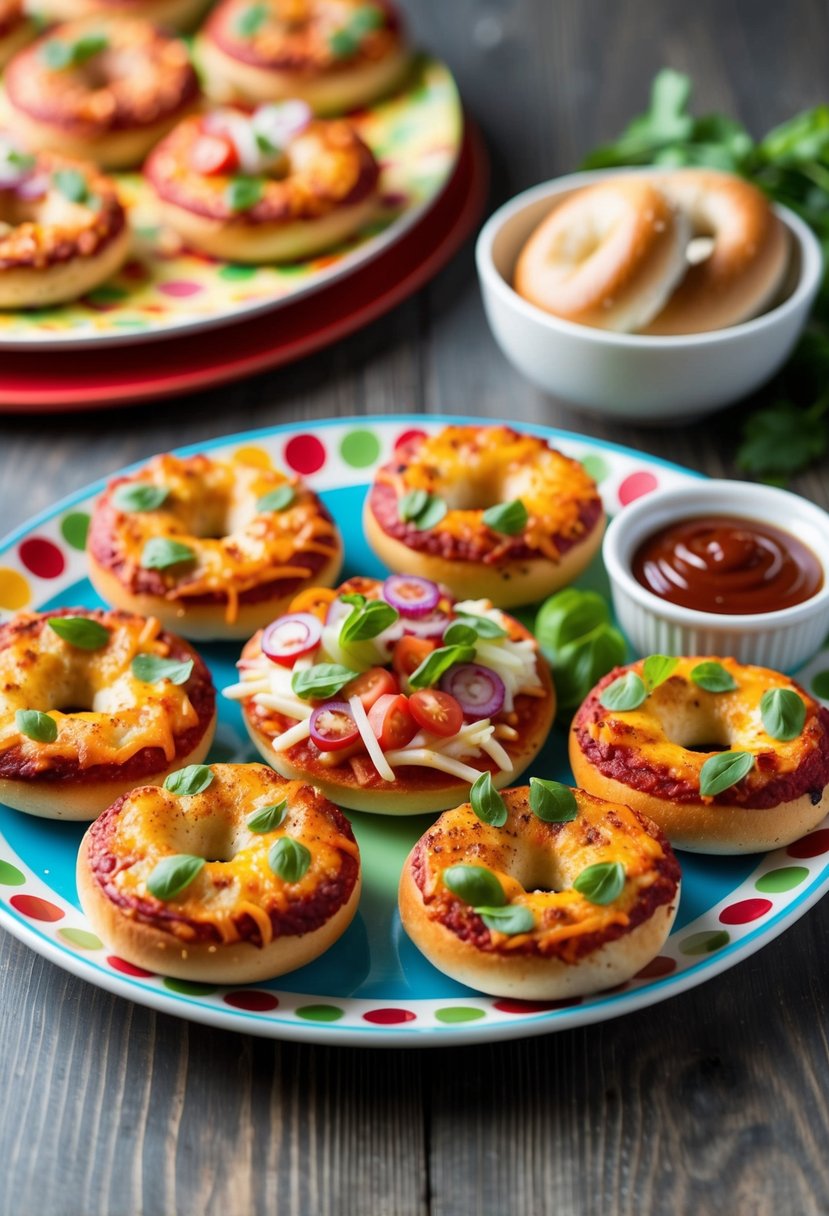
[93, 379]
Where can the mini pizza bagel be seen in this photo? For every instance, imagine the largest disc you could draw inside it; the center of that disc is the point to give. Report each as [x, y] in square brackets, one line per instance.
[725, 757]
[91, 704]
[274, 186]
[745, 247]
[540, 910]
[211, 547]
[16, 29]
[486, 511]
[229, 875]
[63, 229]
[100, 89]
[173, 14]
[608, 256]
[391, 698]
[336, 55]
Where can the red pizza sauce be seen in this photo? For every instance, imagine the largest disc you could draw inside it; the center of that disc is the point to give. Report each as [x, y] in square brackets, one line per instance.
[726, 564]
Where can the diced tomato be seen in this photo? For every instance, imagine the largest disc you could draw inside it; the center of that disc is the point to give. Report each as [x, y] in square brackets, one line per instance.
[213, 154]
[370, 685]
[316, 600]
[436, 711]
[409, 653]
[391, 721]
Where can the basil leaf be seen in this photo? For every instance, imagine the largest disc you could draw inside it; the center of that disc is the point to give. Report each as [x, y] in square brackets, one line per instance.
[80, 631]
[58, 54]
[368, 17]
[289, 859]
[321, 681]
[356, 598]
[438, 662]
[242, 193]
[511, 919]
[19, 160]
[487, 803]
[172, 874]
[713, 677]
[475, 885]
[421, 509]
[251, 20]
[601, 883]
[722, 771]
[581, 664]
[460, 634]
[627, 692]
[657, 668]
[268, 818]
[190, 780]
[276, 500]
[159, 553]
[510, 518]
[551, 801]
[151, 669]
[783, 713]
[568, 615]
[72, 184]
[483, 626]
[36, 725]
[139, 496]
[367, 620]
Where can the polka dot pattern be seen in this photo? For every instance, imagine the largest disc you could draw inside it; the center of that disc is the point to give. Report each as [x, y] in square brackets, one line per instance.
[343, 455]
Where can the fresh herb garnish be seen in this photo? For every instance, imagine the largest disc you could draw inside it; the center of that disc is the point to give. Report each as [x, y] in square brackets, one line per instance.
[791, 164]
[509, 518]
[783, 713]
[657, 668]
[460, 634]
[367, 619]
[511, 919]
[487, 803]
[579, 641]
[722, 771]
[244, 192]
[551, 801]
[72, 184]
[193, 779]
[139, 496]
[159, 553]
[151, 668]
[484, 626]
[321, 681]
[173, 874]
[601, 883]
[475, 885]
[713, 677]
[438, 662]
[58, 54]
[80, 631]
[276, 500]
[36, 725]
[626, 692]
[251, 20]
[346, 40]
[421, 509]
[289, 859]
[268, 818]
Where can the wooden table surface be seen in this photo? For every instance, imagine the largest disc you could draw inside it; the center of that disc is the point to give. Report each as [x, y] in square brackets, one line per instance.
[713, 1102]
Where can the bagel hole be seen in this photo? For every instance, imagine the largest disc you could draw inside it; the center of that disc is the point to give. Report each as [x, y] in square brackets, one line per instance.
[479, 493]
[693, 727]
[699, 248]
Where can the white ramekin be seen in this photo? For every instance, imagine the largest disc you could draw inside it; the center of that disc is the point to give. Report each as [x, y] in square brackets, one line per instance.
[635, 377]
[782, 640]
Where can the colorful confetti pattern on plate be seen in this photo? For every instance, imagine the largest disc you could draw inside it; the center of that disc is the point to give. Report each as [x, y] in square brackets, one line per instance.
[373, 988]
[163, 290]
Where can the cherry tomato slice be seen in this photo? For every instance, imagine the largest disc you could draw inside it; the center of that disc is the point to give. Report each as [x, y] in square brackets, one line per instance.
[332, 727]
[436, 711]
[409, 653]
[316, 600]
[288, 637]
[370, 685]
[213, 154]
[391, 721]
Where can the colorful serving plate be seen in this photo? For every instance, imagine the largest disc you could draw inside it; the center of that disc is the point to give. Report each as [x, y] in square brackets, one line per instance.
[164, 291]
[373, 988]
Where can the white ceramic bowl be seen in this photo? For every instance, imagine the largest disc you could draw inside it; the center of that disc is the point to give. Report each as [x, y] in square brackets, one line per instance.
[634, 377]
[781, 640]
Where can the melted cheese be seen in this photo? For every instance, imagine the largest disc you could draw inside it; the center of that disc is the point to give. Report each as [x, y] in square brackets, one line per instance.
[125, 714]
[211, 508]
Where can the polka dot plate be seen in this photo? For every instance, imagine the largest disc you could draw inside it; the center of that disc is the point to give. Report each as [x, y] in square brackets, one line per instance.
[373, 988]
[165, 291]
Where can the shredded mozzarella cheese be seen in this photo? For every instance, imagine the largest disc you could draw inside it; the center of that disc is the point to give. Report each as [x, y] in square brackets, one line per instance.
[369, 738]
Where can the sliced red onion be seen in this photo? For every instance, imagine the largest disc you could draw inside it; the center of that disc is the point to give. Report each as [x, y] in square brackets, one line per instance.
[289, 637]
[279, 123]
[480, 690]
[33, 187]
[327, 740]
[411, 595]
[432, 626]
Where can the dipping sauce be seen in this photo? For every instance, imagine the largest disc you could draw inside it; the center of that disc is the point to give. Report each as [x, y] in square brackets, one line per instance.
[729, 565]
